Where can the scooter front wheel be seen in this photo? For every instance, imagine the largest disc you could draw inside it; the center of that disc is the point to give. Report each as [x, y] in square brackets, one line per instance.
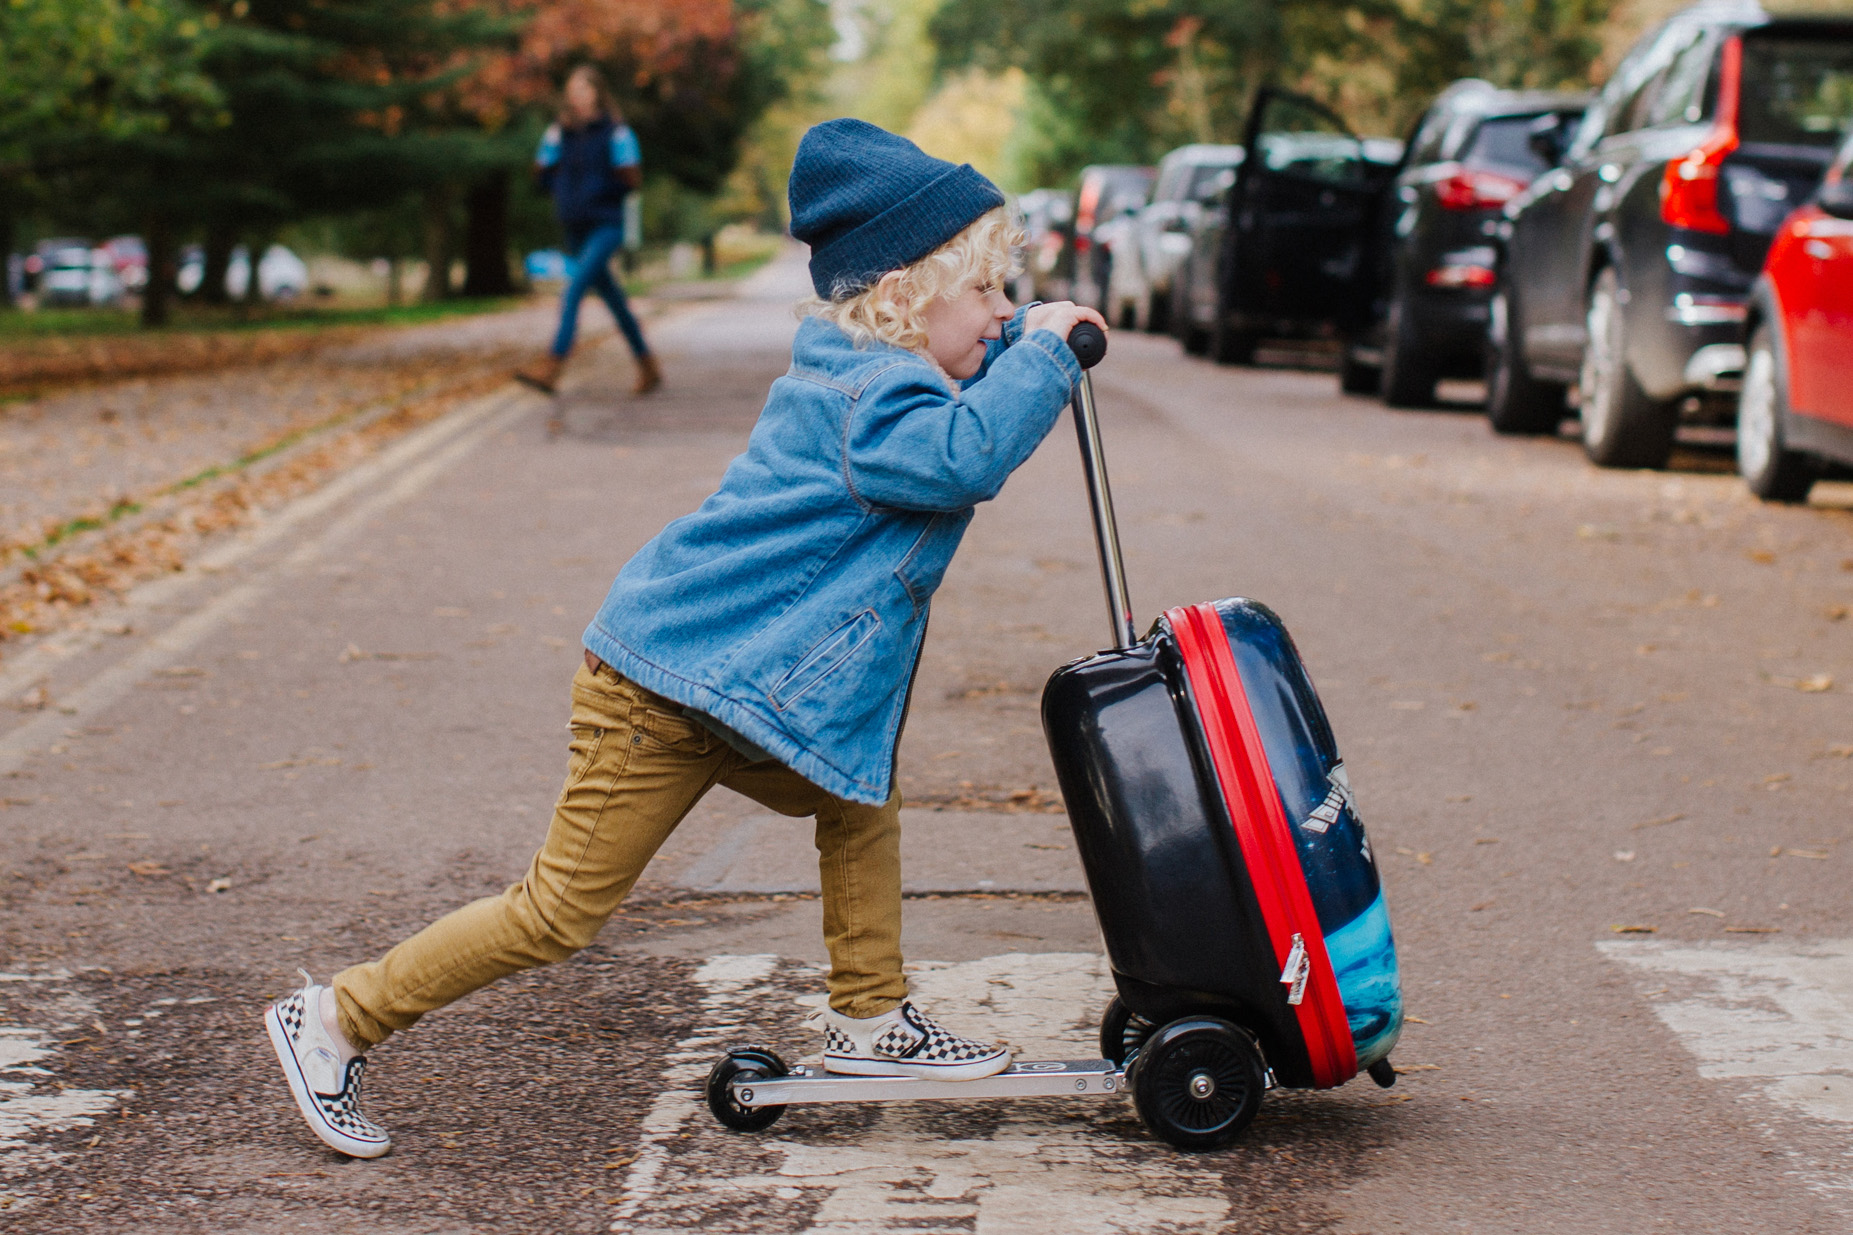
[1197, 1082]
[740, 1066]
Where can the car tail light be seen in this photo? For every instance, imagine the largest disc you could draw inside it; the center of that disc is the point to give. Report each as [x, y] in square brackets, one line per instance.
[1461, 276]
[1689, 190]
[1082, 242]
[1471, 190]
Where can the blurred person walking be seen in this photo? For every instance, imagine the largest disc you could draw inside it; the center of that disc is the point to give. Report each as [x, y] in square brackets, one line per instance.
[590, 162]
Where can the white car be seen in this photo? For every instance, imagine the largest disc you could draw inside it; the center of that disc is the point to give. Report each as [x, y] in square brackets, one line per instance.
[76, 274]
[281, 275]
[1153, 243]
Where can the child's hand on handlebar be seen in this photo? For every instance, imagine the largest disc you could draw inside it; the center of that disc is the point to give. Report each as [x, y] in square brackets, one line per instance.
[1062, 316]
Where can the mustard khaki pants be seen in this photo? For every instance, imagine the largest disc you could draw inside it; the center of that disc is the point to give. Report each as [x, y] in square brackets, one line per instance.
[638, 765]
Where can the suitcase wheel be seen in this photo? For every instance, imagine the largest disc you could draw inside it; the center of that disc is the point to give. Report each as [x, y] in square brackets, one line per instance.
[743, 1063]
[1382, 1073]
[1122, 1032]
[1197, 1082]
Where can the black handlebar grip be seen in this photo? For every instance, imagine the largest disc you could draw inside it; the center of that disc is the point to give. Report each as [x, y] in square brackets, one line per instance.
[1089, 344]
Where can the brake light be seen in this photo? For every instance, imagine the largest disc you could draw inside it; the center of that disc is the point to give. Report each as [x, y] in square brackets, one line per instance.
[1471, 190]
[1082, 243]
[1461, 276]
[1689, 189]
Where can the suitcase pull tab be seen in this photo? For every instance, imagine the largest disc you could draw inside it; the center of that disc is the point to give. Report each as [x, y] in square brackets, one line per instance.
[1299, 967]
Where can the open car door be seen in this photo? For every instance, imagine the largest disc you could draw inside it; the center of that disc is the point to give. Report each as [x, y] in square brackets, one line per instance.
[1299, 255]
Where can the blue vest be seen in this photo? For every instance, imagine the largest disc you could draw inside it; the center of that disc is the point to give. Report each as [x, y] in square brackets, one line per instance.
[585, 186]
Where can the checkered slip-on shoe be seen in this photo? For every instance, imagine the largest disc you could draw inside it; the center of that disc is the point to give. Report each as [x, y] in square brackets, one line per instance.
[327, 1091]
[906, 1042]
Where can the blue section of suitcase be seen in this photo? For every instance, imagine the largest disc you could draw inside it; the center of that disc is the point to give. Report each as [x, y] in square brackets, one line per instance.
[1341, 872]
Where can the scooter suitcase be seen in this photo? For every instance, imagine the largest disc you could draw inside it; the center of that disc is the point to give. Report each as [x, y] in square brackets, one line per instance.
[1235, 888]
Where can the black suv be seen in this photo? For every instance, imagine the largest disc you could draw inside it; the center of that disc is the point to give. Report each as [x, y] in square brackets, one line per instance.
[1472, 152]
[1626, 270]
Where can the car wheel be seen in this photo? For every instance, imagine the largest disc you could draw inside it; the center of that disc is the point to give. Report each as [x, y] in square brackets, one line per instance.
[1773, 472]
[1407, 380]
[1355, 377]
[1516, 402]
[1158, 312]
[1227, 345]
[1622, 425]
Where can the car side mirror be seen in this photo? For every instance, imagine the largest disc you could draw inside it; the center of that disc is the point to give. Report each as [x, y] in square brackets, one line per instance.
[1837, 198]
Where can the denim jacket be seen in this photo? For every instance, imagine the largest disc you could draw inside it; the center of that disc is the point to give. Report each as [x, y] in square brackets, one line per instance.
[791, 606]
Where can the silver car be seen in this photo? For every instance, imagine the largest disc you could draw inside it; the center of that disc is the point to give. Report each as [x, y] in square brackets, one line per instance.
[1155, 241]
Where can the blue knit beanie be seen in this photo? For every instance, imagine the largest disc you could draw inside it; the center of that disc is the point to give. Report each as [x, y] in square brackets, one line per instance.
[868, 202]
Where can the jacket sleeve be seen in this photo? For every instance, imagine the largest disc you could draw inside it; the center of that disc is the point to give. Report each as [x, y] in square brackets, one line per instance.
[910, 444]
[547, 158]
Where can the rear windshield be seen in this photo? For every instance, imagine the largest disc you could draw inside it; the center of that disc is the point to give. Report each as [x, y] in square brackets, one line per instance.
[1206, 181]
[1796, 91]
[1505, 142]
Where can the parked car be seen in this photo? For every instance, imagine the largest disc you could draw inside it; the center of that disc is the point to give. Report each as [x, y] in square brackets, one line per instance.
[1285, 253]
[1157, 239]
[1795, 417]
[129, 258]
[281, 275]
[1106, 197]
[72, 273]
[1047, 214]
[1470, 153]
[1627, 270]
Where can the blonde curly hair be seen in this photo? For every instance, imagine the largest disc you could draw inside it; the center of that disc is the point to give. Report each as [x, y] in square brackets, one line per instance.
[983, 255]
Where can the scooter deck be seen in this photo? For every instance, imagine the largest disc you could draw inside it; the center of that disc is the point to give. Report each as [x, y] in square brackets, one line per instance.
[808, 1083]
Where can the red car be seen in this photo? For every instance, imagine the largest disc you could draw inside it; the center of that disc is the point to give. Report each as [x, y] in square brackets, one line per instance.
[1795, 417]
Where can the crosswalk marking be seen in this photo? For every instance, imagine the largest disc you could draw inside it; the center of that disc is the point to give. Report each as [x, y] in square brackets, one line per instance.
[1034, 1168]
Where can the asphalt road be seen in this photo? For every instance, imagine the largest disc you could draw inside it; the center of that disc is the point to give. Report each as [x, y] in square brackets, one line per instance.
[1571, 701]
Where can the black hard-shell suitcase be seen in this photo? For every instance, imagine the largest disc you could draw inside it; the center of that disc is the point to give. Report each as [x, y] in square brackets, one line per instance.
[1236, 890]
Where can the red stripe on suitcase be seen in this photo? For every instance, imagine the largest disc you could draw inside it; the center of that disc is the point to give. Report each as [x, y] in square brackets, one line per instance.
[1266, 837]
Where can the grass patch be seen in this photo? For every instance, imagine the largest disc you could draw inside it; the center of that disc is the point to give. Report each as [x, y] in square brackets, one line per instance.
[187, 319]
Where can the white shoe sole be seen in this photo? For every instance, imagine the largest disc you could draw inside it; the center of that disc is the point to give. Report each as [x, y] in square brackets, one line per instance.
[329, 1135]
[971, 1070]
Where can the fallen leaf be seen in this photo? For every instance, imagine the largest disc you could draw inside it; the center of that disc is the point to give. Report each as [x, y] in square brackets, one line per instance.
[34, 699]
[1710, 913]
[1418, 1020]
[1842, 750]
[148, 867]
[1838, 613]
[1486, 840]
[1477, 908]
[1404, 1069]
[1633, 930]
[1816, 854]
[180, 671]
[219, 885]
[1763, 556]
[1775, 851]
[1425, 859]
[1662, 821]
[1753, 930]
[1624, 855]
[1776, 778]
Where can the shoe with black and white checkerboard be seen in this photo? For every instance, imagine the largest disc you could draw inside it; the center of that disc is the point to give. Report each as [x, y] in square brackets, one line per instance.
[324, 1075]
[906, 1042]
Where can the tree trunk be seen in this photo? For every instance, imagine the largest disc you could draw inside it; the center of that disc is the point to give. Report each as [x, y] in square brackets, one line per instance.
[220, 238]
[158, 235]
[394, 265]
[485, 238]
[440, 242]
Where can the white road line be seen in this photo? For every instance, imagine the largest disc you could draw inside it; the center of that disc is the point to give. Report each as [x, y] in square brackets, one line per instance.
[445, 443]
[33, 1103]
[730, 980]
[1033, 1173]
[1776, 1015]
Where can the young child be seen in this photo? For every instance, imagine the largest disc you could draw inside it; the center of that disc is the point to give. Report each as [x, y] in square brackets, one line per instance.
[768, 641]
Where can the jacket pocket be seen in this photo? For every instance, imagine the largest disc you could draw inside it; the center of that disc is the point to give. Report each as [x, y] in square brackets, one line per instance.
[925, 564]
[824, 659]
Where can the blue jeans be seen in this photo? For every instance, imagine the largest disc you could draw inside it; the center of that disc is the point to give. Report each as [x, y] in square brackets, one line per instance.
[592, 248]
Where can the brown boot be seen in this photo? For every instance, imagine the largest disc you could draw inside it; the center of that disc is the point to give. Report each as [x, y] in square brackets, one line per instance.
[543, 374]
[649, 376]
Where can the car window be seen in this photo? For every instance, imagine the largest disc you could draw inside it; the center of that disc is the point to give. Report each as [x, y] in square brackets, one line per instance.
[1303, 139]
[1174, 179]
[1210, 181]
[1504, 142]
[1426, 145]
[1679, 95]
[1795, 91]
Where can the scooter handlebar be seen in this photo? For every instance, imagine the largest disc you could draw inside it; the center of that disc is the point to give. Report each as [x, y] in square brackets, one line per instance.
[1089, 344]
